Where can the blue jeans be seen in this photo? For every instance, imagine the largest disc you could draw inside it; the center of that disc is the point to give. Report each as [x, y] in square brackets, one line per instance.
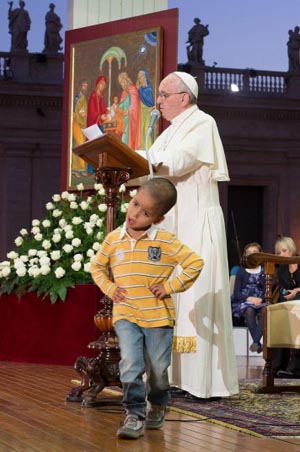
[144, 350]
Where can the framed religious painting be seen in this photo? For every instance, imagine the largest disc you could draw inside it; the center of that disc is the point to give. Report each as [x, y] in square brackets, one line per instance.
[112, 74]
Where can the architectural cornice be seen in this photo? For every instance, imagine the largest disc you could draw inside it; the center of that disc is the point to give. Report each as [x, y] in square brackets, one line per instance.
[53, 102]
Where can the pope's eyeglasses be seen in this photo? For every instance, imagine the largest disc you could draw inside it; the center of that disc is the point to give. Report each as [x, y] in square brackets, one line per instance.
[167, 95]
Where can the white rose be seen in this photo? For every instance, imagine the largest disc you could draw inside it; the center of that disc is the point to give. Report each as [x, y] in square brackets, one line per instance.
[38, 237]
[68, 248]
[4, 264]
[80, 187]
[132, 193]
[33, 261]
[89, 199]
[44, 260]
[73, 205]
[60, 272]
[94, 218]
[46, 244]
[96, 246]
[19, 240]
[99, 222]
[32, 252]
[102, 207]
[76, 220]
[76, 242]
[35, 230]
[88, 224]
[69, 235]
[122, 188]
[62, 223]
[72, 197]
[46, 223]
[84, 205]
[50, 206]
[24, 258]
[5, 271]
[56, 238]
[98, 187]
[55, 255]
[65, 195]
[78, 257]
[76, 266]
[89, 231]
[68, 227]
[24, 232]
[87, 267]
[56, 198]
[12, 255]
[35, 222]
[90, 253]
[34, 271]
[57, 213]
[45, 270]
[21, 271]
[41, 253]
[124, 207]
[18, 263]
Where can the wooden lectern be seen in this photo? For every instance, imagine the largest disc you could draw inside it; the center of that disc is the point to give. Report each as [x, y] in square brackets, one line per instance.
[114, 164]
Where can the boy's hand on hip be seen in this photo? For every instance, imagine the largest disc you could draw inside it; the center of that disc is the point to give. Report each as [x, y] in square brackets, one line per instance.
[158, 290]
[119, 295]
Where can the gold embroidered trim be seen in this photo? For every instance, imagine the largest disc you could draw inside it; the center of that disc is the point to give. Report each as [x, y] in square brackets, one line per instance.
[183, 344]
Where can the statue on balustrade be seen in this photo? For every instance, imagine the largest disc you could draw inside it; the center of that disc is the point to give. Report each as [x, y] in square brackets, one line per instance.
[294, 50]
[19, 25]
[52, 40]
[196, 42]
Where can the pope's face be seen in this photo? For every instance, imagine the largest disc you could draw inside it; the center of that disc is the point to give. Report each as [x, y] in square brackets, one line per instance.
[171, 100]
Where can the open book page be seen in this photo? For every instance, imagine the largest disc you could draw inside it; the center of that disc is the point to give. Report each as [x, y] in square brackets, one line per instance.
[92, 132]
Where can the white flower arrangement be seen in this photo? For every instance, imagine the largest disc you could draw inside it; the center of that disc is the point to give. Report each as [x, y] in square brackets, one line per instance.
[55, 255]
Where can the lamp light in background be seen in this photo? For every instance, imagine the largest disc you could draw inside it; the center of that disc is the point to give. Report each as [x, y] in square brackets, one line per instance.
[234, 88]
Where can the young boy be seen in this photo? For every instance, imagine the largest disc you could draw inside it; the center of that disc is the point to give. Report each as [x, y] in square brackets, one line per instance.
[142, 259]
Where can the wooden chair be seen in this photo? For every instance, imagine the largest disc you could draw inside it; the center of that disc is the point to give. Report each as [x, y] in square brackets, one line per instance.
[291, 316]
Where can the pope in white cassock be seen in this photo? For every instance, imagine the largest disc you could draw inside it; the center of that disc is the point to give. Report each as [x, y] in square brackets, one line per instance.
[190, 153]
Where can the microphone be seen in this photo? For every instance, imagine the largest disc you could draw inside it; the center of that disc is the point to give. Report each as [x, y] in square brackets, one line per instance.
[154, 116]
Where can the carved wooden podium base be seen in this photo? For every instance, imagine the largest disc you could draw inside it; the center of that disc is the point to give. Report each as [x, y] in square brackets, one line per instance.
[115, 164]
[102, 371]
[97, 373]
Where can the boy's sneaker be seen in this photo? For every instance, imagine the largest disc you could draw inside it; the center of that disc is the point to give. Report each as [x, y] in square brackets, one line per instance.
[132, 427]
[155, 417]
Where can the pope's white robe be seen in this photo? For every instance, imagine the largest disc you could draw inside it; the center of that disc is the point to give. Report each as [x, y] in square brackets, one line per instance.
[193, 159]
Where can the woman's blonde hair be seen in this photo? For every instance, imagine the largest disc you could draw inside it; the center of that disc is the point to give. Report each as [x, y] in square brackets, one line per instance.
[286, 242]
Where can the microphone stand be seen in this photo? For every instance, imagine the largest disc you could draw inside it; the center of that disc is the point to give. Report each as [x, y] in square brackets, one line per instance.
[149, 131]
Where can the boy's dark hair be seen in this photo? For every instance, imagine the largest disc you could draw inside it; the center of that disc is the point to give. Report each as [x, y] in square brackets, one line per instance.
[162, 191]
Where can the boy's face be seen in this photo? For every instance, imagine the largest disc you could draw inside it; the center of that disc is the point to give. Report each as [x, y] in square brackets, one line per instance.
[142, 212]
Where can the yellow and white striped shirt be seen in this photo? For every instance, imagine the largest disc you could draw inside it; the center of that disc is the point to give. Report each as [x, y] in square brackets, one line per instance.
[138, 264]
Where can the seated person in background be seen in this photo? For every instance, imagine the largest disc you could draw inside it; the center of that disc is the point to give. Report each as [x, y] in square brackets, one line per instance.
[285, 361]
[248, 297]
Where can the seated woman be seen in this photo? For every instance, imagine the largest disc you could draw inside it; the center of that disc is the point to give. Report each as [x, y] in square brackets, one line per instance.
[286, 362]
[248, 297]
